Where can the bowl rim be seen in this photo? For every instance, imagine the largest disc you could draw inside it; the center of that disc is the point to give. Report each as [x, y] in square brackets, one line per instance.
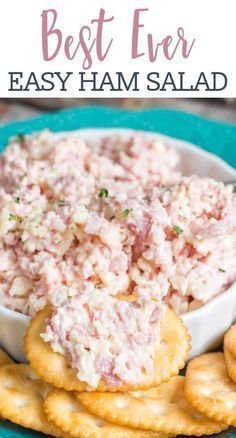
[14, 314]
[170, 141]
[186, 316]
[214, 301]
[175, 142]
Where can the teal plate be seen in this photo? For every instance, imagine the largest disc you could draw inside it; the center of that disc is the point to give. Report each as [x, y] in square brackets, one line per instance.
[213, 136]
[216, 137]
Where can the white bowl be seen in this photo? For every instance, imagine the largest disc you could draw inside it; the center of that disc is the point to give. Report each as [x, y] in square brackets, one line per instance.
[207, 324]
[12, 330]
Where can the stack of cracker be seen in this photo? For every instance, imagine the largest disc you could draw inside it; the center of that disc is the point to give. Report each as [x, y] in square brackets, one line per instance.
[47, 396]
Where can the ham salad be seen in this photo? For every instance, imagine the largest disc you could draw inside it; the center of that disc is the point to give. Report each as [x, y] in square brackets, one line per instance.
[109, 232]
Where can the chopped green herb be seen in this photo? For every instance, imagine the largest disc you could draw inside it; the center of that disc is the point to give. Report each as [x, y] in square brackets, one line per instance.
[17, 200]
[22, 177]
[126, 212]
[221, 270]
[62, 202]
[20, 138]
[103, 193]
[177, 230]
[12, 217]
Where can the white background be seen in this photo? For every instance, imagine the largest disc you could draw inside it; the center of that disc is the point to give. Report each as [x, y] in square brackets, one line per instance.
[211, 22]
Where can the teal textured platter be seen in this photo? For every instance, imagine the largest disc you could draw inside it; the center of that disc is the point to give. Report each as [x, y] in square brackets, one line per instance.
[216, 137]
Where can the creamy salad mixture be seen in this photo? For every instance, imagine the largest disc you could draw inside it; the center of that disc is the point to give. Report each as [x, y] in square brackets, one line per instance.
[86, 224]
[99, 332]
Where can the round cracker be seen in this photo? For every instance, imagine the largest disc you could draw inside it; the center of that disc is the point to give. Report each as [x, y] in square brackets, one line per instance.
[230, 340]
[209, 389]
[4, 358]
[230, 362]
[54, 368]
[68, 414]
[162, 409]
[21, 399]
